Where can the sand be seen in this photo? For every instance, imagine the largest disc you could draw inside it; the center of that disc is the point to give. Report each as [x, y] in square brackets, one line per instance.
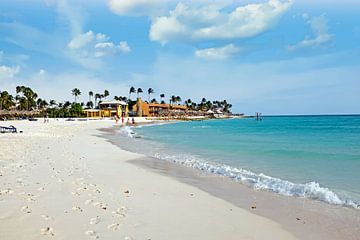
[62, 181]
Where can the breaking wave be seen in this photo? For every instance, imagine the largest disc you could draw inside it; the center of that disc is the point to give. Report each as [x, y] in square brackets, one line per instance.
[311, 190]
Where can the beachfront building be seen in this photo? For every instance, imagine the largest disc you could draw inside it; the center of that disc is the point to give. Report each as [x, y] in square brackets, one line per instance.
[109, 109]
[145, 109]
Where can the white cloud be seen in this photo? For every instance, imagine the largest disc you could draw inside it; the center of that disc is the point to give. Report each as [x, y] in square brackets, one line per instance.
[204, 22]
[89, 45]
[8, 72]
[101, 37]
[321, 36]
[217, 53]
[81, 40]
[109, 48]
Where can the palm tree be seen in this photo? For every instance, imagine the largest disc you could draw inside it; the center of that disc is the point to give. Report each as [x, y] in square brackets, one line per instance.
[173, 99]
[178, 99]
[76, 92]
[132, 90]
[139, 90]
[89, 104]
[30, 96]
[193, 106]
[150, 91]
[38, 103]
[6, 100]
[162, 96]
[52, 102]
[91, 94]
[66, 104]
[97, 96]
[106, 93]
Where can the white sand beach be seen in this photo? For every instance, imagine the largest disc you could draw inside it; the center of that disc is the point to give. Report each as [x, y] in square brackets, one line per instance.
[61, 181]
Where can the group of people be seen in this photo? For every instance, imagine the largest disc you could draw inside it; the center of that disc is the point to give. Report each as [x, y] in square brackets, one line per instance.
[123, 120]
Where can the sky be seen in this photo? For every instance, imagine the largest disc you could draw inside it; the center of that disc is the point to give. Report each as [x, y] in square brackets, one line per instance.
[269, 56]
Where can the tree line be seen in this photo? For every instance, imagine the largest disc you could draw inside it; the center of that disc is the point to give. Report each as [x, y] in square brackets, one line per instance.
[28, 100]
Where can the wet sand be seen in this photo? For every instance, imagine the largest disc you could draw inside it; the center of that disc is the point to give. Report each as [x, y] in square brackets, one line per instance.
[305, 218]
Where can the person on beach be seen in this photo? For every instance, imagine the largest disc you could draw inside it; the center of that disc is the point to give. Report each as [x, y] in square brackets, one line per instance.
[116, 118]
[128, 121]
[46, 118]
[122, 120]
[133, 121]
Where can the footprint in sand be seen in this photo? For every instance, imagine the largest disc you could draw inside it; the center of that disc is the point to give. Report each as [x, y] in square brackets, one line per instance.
[6, 191]
[46, 217]
[47, 231]
[77, 209]
[120, 211]
[81, 189]
[94, 220]
[26, 209]
[92, 234]
[41, 189]
[100, 205]
[114, 226]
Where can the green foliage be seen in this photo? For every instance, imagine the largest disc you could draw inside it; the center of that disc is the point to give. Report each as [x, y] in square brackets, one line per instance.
[6, 100]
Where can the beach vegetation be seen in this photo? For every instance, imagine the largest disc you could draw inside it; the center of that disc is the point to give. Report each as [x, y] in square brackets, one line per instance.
[131, 90]
[138, 92]
[150, 91]
[27, 103]
[76, 93]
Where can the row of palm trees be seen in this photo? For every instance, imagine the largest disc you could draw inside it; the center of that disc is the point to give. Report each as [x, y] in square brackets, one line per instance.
[204, 105]
[27, 99]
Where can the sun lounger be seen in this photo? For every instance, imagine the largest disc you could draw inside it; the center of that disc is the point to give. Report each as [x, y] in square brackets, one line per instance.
[10, 129]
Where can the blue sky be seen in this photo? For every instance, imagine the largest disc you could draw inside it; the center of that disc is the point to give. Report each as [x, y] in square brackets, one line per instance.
[272, 56]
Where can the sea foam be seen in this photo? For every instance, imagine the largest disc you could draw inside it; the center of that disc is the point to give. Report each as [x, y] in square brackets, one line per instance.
[312, 190]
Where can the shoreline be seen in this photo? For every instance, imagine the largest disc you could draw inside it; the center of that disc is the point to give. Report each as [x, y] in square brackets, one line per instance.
[62, 181]
[301, 216]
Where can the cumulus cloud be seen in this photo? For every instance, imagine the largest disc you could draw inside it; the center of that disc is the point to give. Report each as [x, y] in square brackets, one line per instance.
[81, 40]
[206, 22]
[217, 53]
[8, 72]
[109, 48]
[320, 35]
[89, 45]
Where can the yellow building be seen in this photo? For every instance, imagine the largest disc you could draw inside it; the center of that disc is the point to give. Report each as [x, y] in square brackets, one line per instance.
[109, 109]
[145, 109]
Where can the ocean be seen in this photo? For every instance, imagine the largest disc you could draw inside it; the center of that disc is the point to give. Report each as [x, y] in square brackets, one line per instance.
[315, 157]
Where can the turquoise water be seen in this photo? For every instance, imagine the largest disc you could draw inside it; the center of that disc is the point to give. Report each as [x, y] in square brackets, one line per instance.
[312, 156]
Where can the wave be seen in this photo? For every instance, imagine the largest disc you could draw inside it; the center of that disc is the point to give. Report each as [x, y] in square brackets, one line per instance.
[127, 131]
[312, 190]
